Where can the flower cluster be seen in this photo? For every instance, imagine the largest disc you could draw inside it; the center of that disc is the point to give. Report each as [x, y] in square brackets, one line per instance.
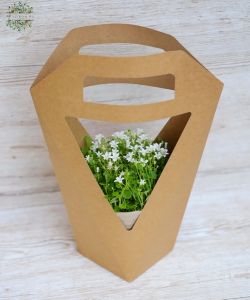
[126, 166]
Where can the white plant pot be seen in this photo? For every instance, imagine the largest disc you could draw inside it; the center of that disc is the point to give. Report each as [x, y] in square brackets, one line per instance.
[128, 218]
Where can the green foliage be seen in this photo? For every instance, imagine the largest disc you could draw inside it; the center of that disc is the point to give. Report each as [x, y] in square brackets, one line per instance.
[126, 165]
[87, 144]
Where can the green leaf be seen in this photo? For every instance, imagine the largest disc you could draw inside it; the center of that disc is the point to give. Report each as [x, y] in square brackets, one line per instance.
[126, 194]
[116, 194]
[87, 143]
[153, 175]
[123, 206]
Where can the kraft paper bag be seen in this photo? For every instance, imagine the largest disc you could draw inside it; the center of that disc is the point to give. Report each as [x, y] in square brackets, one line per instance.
[58, 97]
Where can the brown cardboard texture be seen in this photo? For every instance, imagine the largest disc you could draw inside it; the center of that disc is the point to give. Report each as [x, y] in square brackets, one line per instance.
[58, 97]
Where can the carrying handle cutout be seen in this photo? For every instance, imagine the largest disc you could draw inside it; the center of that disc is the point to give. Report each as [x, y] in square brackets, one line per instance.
[119, 49]
[129, 91]
[122, 34]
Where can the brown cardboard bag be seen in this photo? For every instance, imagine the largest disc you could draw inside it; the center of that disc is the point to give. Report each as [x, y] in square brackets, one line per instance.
[57, 95]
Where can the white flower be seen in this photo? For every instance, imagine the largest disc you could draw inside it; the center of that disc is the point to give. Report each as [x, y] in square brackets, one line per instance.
[158, 155]
[106, 155]
[113, 144]
[115, 155]
[143, 161]
[87, 158]
[98, 153]
[129, 157]
[142, 137]
[164, 152]
[134, 148]
[119, 178]
[157, 146]
[99, 137]
[153, 147]
[97, 169]
[150, 149]
[143, 151]
[128, 143]
[94, 146]
[142, 182]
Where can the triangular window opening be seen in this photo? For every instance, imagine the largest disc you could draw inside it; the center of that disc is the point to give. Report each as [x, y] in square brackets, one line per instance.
[169, 130]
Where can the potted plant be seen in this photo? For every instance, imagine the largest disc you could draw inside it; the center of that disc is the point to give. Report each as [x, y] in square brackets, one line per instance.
[127, 166]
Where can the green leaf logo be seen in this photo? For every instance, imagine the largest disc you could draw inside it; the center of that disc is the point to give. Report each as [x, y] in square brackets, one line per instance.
[19, 16]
